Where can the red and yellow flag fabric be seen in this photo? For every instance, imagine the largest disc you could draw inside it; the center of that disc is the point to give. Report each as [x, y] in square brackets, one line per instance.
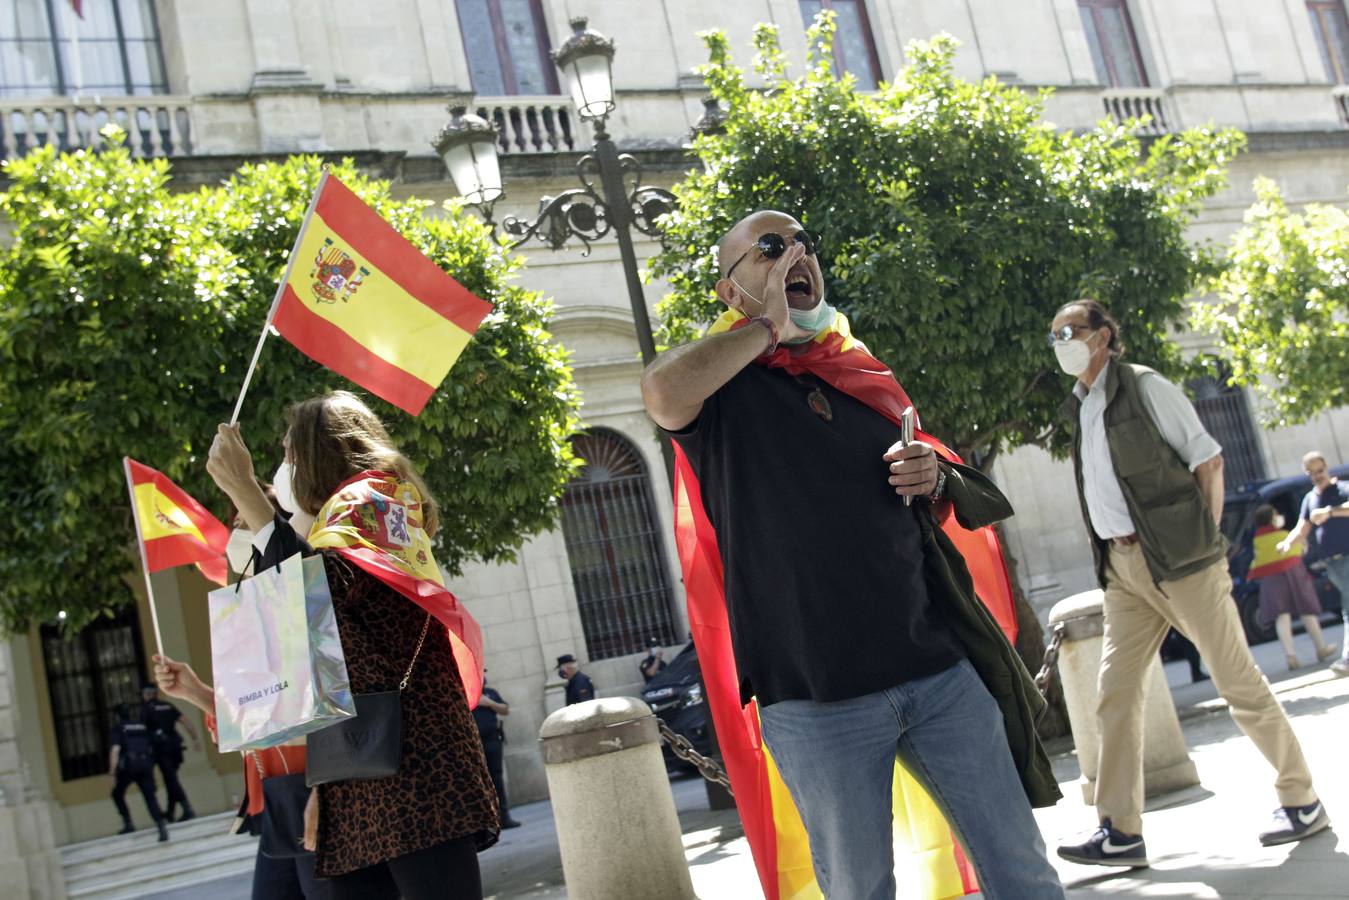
[363, 301]
[929, 863]
[176, 529]
[374, 520]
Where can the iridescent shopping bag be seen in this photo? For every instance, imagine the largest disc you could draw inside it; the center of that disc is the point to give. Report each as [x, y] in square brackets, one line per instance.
[277, 657]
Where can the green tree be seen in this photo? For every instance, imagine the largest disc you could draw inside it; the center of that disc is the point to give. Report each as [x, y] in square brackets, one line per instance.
[1281, 315]
[128, 314]
[955, 221]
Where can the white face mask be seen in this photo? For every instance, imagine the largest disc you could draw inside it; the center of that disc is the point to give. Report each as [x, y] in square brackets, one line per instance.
[814, 320]
[239, 550]
[1278, 523]
[1074, 356]
[283, 482]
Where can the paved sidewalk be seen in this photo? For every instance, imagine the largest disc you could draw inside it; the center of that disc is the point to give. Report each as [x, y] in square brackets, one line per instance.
[1202, 841]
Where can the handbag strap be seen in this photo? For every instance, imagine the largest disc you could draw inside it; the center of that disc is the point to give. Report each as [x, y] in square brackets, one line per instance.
[407, 676]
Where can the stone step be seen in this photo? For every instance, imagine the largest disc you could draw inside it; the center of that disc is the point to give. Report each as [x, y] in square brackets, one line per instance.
[114, 845]
[150, 854]
[202, 862]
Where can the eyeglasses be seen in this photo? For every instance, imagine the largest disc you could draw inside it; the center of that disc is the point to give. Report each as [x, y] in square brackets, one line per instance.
[1066, 333]
[772, 245]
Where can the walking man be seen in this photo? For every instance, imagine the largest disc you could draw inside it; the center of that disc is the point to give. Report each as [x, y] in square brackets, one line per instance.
[579, 686]
[163, 719]
[131, 761]
[1325, 510]
[847, 624]
[1150, 484]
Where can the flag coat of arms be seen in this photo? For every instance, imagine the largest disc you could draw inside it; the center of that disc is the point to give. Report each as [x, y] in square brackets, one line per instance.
[360, 299]
[175, 529]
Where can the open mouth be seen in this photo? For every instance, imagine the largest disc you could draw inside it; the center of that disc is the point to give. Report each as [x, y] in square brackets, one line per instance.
[798, 285]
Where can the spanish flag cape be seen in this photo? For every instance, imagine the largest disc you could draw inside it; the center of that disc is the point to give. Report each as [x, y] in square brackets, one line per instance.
[374, 521]
[928, 861]
[1268, 560]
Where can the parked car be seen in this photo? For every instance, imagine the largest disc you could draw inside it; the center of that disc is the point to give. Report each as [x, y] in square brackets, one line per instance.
[676, 697]
[1285, 495]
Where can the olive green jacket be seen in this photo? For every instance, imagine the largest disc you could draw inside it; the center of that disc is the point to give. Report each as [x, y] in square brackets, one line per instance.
[976, 502]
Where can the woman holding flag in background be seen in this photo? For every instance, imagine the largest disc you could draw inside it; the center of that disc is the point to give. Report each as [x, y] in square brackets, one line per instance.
[416, 833]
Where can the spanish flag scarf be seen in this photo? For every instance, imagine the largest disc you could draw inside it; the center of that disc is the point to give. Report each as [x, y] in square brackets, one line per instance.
[374, 521]
[934, 865]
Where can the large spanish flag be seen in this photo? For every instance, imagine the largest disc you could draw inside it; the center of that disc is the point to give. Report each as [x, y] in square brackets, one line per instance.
[374, 520]
[175, 529]
[363, 301]
[929, 863]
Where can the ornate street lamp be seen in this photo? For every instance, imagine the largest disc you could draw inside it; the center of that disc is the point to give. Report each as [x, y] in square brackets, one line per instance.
[611, 198]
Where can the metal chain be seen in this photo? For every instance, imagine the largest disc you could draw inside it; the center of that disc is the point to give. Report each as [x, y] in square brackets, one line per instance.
[1051, 660]
[680, 746]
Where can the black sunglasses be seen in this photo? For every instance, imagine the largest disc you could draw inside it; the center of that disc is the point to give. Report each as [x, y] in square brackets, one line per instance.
[772, 245]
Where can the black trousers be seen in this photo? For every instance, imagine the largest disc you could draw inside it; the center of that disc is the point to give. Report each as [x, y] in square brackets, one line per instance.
[447, 871]
[288, 879]
[143, 780]
[496, 752]
[168, 767]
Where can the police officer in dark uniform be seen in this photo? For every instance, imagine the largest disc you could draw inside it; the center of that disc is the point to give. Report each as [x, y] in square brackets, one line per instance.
[132, 761]
[653, 663]
[579, 686]
[162, 719]
[494, 744]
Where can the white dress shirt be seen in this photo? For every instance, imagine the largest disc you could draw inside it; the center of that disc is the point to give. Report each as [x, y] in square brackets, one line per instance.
[1175, 418]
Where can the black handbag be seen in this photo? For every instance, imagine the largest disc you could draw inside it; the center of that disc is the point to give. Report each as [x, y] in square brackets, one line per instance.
[368, 745]
[282, 821]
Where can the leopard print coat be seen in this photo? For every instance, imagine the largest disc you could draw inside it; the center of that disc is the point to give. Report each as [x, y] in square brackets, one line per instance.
[442, 790]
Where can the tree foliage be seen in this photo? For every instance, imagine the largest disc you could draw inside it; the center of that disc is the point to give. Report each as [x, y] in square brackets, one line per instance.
[956, 222]
[128, 314]
[1281, 316]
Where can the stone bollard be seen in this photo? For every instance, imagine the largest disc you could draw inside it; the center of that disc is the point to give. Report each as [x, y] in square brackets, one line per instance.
[615, 816]
[1166, 760]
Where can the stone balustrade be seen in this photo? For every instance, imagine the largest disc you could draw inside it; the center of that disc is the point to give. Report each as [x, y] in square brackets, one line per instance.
[155, 125]
[531, 124]
[1122, 104]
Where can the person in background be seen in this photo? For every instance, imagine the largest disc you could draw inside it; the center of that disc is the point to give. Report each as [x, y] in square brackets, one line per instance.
[131, 760]
[164, 719]
[652, 664]
[486, 714]
[1325, 510]
[291, 878]
[579, 686]
[1286, 587]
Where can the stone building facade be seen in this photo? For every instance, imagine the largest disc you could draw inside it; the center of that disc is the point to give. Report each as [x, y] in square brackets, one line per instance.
[212, 83]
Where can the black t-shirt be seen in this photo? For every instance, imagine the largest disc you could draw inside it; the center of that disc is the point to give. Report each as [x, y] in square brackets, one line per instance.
[823, 561]
[580, 688]
[650, 667]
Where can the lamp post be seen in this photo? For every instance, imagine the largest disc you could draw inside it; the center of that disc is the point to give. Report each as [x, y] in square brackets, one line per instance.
[611, 197]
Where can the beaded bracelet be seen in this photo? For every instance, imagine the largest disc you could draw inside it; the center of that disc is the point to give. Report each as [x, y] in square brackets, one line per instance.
[772, 332]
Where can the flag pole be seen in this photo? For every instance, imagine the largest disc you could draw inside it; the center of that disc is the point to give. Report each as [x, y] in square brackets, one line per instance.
[140, 544]
[280, 290]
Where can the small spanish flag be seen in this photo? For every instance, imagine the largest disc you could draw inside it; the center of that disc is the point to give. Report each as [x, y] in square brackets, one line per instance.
[363, 301]
[175, 529]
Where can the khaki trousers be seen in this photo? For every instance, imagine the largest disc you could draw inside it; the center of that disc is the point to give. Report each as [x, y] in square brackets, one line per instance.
[1200, 606]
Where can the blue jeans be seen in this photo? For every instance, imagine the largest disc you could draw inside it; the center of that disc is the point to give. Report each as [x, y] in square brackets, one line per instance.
[1337, 570]
[838, 762]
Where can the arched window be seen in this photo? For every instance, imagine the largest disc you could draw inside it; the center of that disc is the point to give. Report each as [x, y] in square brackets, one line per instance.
[615, 549]
[1225, 414]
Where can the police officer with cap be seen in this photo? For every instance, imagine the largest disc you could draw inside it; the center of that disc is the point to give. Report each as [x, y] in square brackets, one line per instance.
[579, 686]
[131, 761]
[653, 663]
[162, 719]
